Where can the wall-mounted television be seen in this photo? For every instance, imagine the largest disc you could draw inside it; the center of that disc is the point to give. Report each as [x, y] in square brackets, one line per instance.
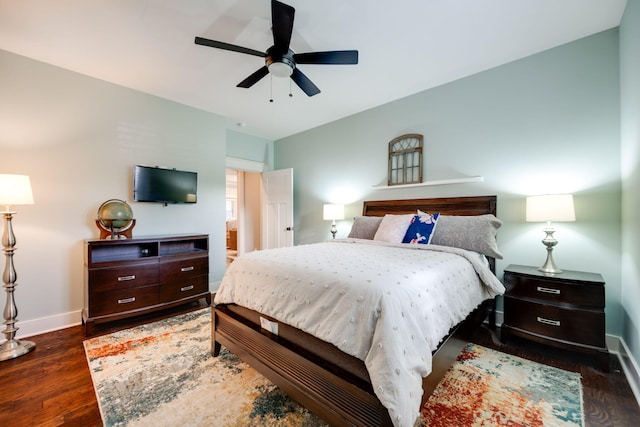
[160, 185]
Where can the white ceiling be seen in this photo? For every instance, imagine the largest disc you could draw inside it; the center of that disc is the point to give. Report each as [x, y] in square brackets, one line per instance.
[405, 46]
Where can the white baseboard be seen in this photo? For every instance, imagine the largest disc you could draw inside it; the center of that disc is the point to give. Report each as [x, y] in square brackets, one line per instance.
[42, 325]
[630, 366]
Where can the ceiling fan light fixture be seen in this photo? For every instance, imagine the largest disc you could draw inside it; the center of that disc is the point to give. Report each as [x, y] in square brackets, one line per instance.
[280, 61]
[280, 69]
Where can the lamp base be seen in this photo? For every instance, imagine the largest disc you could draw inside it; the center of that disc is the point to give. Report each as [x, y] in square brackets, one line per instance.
[11, 349]
[549, 267]
[549, 270]
[549, 242]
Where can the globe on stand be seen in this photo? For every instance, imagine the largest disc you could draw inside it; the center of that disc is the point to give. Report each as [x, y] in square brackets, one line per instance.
[115, 220]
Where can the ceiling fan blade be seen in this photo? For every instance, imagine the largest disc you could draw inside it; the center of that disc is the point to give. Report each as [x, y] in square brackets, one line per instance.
[228, 46]
[282, 25]
[305, 84]
[331, 57]
[254, 78]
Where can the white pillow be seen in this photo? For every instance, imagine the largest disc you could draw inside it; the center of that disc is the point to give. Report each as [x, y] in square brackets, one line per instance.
[393, 228]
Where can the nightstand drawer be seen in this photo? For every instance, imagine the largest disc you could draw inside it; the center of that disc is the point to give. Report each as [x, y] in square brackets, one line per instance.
[554, 291]
[585, 327]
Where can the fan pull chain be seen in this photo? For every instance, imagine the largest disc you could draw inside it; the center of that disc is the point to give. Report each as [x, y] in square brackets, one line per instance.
[271, 88]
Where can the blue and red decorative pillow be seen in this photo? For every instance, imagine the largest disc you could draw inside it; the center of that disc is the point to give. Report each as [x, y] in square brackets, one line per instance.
[421, 229]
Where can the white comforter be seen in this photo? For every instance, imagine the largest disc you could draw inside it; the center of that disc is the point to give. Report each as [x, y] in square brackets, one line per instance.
[387, 304]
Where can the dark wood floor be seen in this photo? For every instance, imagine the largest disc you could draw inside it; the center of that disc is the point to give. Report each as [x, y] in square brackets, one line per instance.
[52, 385]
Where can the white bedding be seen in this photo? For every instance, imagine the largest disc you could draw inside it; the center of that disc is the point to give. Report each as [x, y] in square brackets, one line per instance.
[387, 304]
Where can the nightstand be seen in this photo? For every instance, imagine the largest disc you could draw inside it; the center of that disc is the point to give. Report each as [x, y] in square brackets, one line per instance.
[563, 310]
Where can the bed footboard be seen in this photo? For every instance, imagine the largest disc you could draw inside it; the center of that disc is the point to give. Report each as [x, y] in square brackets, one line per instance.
[331, 388]
[322, 392]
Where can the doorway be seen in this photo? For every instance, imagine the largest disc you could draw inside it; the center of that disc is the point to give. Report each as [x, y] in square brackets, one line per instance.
[243, 212]
[259, 210]
[231, 215]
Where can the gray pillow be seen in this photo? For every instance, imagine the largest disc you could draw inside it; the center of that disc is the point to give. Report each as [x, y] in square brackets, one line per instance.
[365, 227]
[474, 233]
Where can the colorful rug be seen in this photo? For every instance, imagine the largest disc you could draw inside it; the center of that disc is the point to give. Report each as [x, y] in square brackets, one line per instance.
[485, 387]
[163, 374]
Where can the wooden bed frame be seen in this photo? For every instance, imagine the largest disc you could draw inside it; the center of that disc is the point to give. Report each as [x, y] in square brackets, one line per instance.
[333, 385]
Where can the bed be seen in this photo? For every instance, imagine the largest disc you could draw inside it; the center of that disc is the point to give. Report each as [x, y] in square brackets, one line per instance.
[336, 376]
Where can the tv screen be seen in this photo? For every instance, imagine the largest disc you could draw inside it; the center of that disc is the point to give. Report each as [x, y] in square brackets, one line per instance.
[153, 184]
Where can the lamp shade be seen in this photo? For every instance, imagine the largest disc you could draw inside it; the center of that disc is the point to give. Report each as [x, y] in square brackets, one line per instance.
[15, 190]
[551, 207]
[333, 212]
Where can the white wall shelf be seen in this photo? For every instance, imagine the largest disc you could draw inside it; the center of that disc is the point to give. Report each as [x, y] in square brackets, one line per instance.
[427, 183]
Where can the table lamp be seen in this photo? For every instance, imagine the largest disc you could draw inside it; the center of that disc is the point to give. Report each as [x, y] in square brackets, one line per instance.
[333, 212]
[550, 207]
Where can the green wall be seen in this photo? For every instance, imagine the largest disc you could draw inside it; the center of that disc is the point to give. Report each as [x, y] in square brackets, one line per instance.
[249, 147]
[549, 123]
[630, 137]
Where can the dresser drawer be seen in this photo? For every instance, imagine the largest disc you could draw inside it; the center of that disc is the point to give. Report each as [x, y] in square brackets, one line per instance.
[102, 303]
[584, 327]
[182, 269]
[123, 277]
[555, 291]
[173, 291]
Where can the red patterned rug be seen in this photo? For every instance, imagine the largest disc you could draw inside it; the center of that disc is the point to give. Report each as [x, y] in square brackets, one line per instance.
[485, 387]
[163, 374]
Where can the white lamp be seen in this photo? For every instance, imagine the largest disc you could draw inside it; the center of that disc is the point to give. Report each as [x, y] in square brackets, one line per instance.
[550, 207]
[14, 190]
[333, 212]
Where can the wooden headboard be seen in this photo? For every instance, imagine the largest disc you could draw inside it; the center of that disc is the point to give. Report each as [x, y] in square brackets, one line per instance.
[475, 205]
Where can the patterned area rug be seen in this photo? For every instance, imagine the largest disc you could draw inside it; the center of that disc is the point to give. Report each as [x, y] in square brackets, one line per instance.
[485, 387]
[163, 374]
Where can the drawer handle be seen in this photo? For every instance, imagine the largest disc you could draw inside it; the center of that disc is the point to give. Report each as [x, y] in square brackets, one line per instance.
[548, 321]
[183, 269]
[126, 300]
[125, 278]
[549, 290]
[186, 288]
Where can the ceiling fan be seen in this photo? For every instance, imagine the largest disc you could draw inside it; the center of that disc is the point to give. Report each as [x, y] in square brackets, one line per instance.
[280, 61]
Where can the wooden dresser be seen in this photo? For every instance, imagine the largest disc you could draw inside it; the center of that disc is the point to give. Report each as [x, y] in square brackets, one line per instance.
[564, 310]
[129, 277]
